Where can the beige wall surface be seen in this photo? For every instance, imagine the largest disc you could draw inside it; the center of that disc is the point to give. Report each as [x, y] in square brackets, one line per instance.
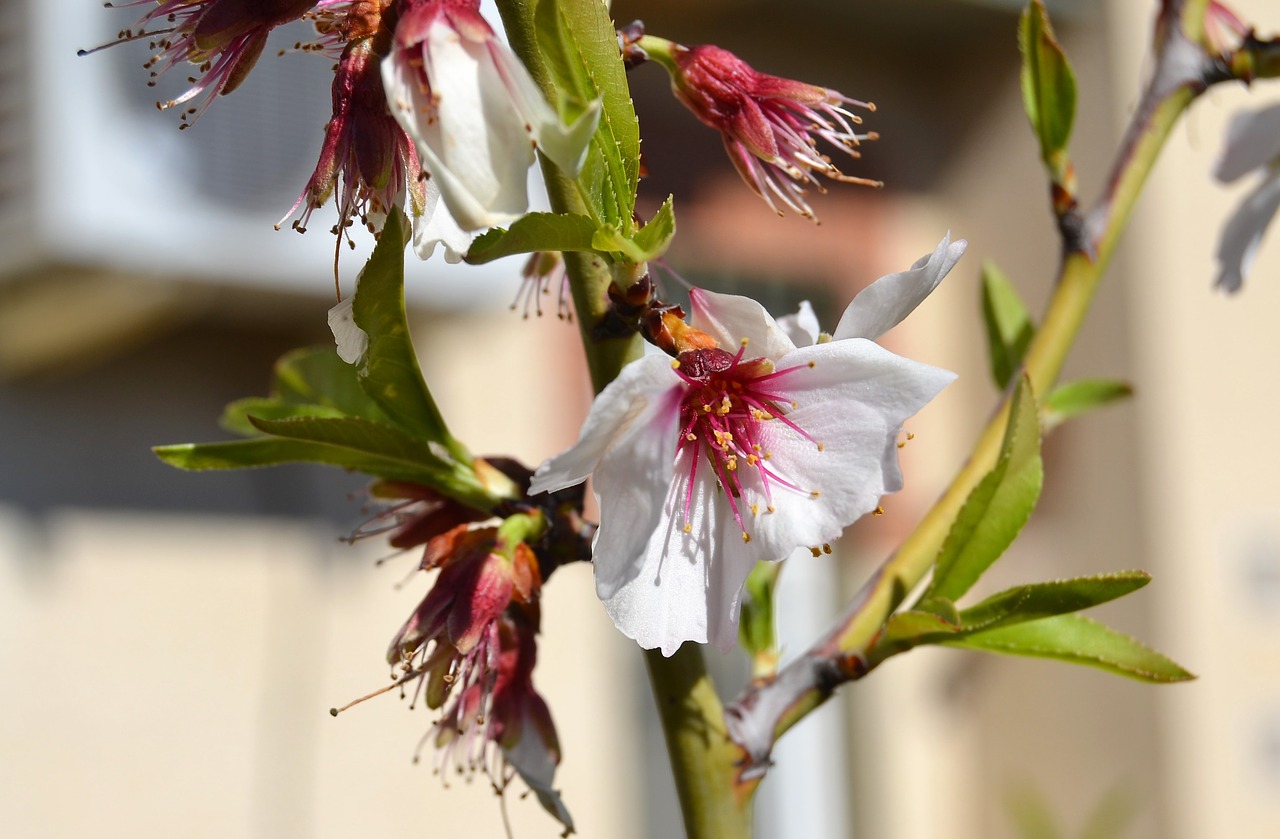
[171, 677]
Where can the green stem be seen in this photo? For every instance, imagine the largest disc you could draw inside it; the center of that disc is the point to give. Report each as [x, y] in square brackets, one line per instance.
[589, 273]
[768, 709]
[713, 801]
[703, 758]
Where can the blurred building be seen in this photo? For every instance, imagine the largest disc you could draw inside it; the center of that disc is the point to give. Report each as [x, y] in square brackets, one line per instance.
[170, 644]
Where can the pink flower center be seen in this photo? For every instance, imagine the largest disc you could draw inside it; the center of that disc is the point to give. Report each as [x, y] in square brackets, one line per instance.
[726, 415]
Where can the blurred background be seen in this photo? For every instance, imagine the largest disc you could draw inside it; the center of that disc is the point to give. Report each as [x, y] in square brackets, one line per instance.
[170, 643]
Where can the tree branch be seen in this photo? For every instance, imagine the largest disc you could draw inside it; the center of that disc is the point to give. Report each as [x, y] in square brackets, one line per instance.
[767, 708]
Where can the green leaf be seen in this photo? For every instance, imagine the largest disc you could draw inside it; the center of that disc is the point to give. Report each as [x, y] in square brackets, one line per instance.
[308, 382]
[940, 606]
[907, 629]
[432, 462]
[1048, 83]
[655, 237]
[911, 628]
[316, 376]
[360, 435]
[1042, 600]
[236, 417]
[389, 372]
[274, 451]
[1009, 327]
[534, 232]
[609, 239]
[1075, 398]
[648, 243]
[998, 506]
[756, 627]
[936, 621]
[1078, 640]
[580, 47]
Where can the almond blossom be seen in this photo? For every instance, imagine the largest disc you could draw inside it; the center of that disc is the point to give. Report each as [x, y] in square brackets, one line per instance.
[1253, 143]
[474, 113]
[744, 448]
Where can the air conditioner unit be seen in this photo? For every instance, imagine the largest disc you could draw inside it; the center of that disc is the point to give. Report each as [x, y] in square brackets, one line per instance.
[93, 178]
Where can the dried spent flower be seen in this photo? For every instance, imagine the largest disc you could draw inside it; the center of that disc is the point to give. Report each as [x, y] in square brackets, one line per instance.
[222, 38]
[770, 125]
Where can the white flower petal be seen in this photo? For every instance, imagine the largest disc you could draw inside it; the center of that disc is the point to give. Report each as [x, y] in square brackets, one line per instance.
[802, 327]
[436, 227]
[412, 107]
[853, 401]
[657, 596]
[565, 145]
[684, 586]
[1242, 234]
[1253, 141]
[481, 151]
[882, 305]
[352, 341]
[730, 319]
[615, 418]
[468, 135]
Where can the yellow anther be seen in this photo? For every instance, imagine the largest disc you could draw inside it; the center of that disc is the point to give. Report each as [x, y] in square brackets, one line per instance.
[732, 463]
[688, 528]
[706, 408]
[691, 437]
[816, 553]
[755, 447]
[822, 447]
[902, 444]
[755, 509]
[795, 405]
[675, 364]
[744, 342]
[812, 364]
[771, 508]
[746, 537]
[878, 511]
[826, 549]
[815, 494]
[910, 436]
[752, 460]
